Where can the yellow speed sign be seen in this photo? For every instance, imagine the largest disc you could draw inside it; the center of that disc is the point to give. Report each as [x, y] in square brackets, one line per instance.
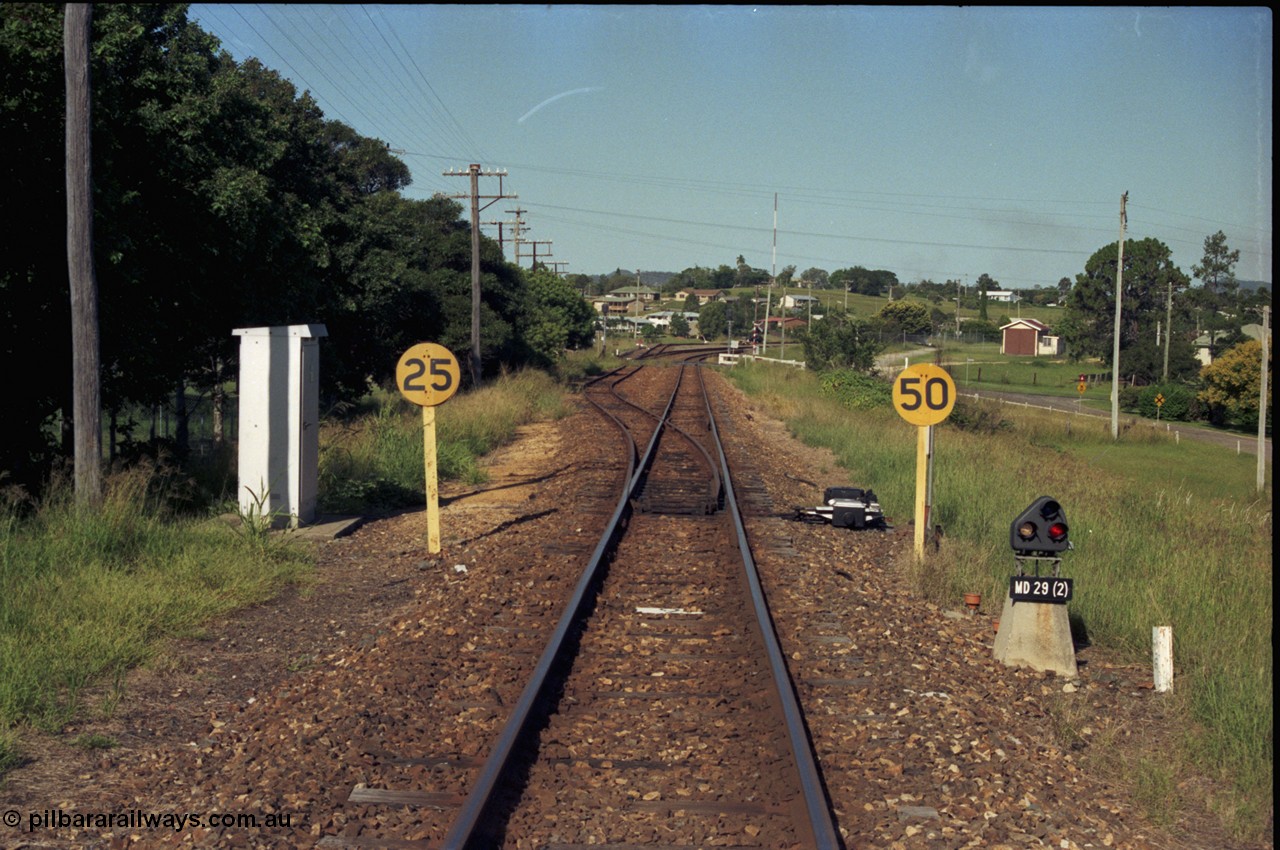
[924, 394]
[427, 374]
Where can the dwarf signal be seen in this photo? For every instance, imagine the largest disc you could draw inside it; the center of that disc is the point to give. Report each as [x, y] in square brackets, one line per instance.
[1040, 530]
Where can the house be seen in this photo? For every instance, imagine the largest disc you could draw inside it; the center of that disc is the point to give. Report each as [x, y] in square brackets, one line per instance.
[1204, 344]
[790, 302]
[1004, 295]
[615, 305]
[643, 293]
[1030, 338]
[704, 296]
[663, 319]
[786, 323]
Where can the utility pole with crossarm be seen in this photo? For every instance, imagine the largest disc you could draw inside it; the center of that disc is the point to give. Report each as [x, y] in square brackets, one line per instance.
[473, 171]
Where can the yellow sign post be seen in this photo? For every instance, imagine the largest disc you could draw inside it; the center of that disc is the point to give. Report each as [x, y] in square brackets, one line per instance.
[427, 375]
[923, 395]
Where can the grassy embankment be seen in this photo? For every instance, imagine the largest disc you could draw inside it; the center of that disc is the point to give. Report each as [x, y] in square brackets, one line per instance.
[85, 596]
[1164, 534]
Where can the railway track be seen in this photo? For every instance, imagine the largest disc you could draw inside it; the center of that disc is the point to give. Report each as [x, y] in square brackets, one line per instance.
[659, 712]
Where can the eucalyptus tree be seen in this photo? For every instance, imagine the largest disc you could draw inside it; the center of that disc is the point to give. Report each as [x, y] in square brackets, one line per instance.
[1149, 276]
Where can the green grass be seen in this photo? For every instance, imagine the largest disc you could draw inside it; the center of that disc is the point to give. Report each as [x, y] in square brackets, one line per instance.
[374, 462]
[991, 370]
[87, 595]
[1165, 533]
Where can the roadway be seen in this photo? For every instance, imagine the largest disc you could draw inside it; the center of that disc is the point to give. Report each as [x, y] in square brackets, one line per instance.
[1246, 442]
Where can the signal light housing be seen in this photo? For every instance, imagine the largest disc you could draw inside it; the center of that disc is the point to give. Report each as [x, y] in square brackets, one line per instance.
[1041, 529]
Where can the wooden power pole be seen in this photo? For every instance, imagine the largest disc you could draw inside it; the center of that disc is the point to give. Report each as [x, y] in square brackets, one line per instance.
[1262, 401]
[1115, 342]
[474, 172]
[86, 400]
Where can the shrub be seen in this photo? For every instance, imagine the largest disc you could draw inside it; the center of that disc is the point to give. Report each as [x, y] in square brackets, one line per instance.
[1178, 401]
[856, 390]
[978, 416]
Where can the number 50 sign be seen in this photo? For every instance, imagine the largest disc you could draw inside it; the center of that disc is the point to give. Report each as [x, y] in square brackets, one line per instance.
[427, 375]
[924, 394]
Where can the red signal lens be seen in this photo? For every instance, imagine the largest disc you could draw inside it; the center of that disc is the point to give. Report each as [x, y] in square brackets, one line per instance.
[1058, 532]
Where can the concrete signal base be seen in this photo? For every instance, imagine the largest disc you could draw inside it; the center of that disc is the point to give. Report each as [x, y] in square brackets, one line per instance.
[1036, 635]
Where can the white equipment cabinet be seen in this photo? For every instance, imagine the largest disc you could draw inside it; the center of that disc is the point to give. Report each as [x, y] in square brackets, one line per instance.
[279, 422]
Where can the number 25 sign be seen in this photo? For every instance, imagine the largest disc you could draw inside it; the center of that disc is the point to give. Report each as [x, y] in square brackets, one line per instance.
[924, 394]
[427, 374]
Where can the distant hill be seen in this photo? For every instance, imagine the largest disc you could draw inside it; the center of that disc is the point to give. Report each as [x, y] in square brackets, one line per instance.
[1254, 284]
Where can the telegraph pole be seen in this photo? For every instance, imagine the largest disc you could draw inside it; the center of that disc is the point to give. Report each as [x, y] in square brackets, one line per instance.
[86, 397]
[517, 229]
[1168, 331]
[474, 172]
[1262, 400]
[501, 224]
[534, 264]
[773, 276]
[1115, 343]
[957, 308]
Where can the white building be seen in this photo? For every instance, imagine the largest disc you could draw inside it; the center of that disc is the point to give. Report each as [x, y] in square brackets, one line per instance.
[790, 302]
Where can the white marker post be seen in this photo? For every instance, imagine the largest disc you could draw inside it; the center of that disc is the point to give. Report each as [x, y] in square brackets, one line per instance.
[923, 395]
[427, 375]
[1162, 658]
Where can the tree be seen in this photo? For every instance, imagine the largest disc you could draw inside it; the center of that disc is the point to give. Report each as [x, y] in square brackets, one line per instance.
[249, 208]
[691, 278]
[679, 326]
[1088, 321]
[1216, 305]
[838, 341]
[744, 275]
[786, 275]
[691, 303]
[1232, 384]
[905, 316]
[558, 318]
[713, 320]
[985, 284]
[816, 278]
[864, 281]
[1216, 269]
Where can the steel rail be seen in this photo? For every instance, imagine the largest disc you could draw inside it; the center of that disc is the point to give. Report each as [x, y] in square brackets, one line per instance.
[820, 823]
[481, 793]
[825, 834]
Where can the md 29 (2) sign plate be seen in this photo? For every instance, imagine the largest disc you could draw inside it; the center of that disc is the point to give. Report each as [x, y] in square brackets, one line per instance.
[1038, 589]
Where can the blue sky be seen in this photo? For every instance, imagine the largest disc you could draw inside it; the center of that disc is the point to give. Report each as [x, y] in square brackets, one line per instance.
[936, 142]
